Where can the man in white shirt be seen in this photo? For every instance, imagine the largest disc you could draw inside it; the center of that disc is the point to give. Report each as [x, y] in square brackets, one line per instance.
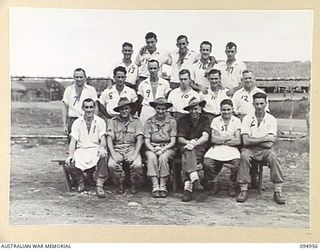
[180, 97]
[231, 69]
[87, 148]
[110, 97]
[243, 98]
[130, 66]
[225, 139]
[150, 89]
[73, 97]
[213, 95]
[147, 53]
[259, 132]
[202, 66]
[181, 59]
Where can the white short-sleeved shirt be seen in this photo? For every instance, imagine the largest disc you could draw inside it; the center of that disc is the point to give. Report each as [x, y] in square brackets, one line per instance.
[181, 99]
[74, 103]
[230, 77]
[145, 90]
[86, 154]
[213, 101]
[176, 66]
[243, 101]
[110, 98]
[198, 71]
[224, 152]
[267, 126]
[132, 71]
[80, 133]
[142, 61]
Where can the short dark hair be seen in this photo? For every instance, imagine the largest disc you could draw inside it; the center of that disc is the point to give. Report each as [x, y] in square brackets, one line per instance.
[80, 69]
[181, 37]
[259, 95]
[88, 100]
[121, 69]
[206, 43]
[150, 35]
[154, 61]
[230, 45]
[185, 71]
[246, 71]
[226, 102]
[215, 71]
[126, 44]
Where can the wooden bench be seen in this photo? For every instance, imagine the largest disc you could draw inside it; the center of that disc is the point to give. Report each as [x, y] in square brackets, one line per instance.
[66, 174]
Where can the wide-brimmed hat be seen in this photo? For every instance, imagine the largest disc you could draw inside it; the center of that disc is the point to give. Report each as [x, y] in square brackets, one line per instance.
[160, 101]
[124, 101]
[193, 102]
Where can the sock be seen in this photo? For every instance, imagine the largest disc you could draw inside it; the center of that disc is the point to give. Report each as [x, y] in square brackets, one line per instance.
[277, 187]
[243, 187]
[155, 183]
[188, 186]
[194, 176]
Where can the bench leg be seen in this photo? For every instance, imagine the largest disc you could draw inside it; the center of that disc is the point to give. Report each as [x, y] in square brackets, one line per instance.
[260, 169]
[174, 179]
[67, 177]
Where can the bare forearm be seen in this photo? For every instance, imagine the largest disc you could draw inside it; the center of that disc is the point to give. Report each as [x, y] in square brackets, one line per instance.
[148, 145]
[183, 141]
[233, 142]
[138, 144]
[170, 145]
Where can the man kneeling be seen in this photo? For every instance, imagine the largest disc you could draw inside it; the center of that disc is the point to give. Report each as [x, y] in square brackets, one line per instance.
[225, 136]
[87, 148]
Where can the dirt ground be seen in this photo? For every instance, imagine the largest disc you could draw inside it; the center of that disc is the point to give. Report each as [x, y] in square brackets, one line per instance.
[38, 197]
[38, 193]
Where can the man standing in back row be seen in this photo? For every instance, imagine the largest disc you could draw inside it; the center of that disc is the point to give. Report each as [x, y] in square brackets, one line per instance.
[231, 69]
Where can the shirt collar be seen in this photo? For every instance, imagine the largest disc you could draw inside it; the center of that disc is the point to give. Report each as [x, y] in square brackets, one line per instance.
[154, 120]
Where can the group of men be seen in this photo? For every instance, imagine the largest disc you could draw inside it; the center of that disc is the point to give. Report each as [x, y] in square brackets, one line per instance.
[206, 113]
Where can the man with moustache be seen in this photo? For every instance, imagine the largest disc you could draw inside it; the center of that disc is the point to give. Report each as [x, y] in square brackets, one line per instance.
[87, 149]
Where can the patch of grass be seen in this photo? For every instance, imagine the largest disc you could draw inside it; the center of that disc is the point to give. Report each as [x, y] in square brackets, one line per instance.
[283, 109]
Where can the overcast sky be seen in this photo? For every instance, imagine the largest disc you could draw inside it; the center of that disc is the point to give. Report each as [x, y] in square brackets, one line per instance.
[53, 42]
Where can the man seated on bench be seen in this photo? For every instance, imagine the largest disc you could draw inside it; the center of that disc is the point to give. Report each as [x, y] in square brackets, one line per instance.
[124, 140]
[259, 131]
[160, 133]
[87, 148]
[225, 138]
[193, 133]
